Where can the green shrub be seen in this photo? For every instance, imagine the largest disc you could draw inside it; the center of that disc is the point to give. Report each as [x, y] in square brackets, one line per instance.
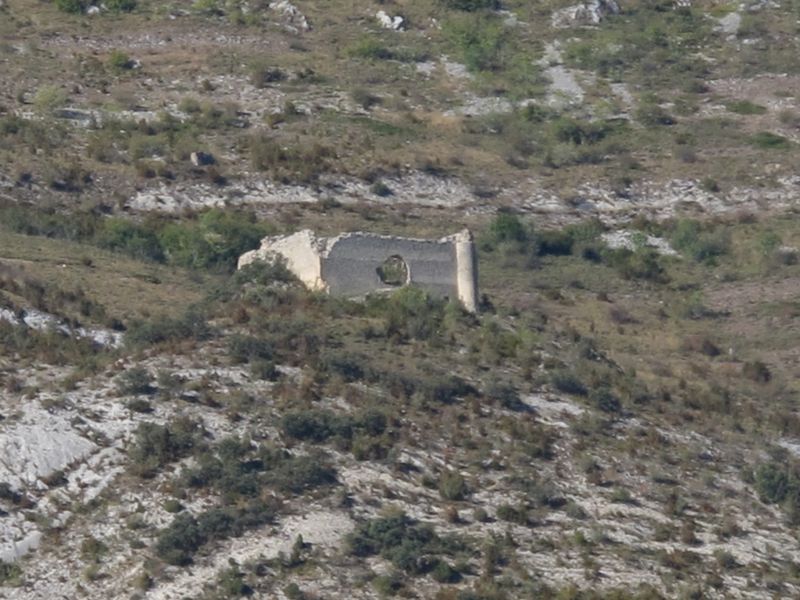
[398, 539]
[513, 514]
[155, 446]
[121, 5]
[652, 115]
[71, 6]
[745, 107]
[265, 370]
[262, 73]
[370, 48]
[452, 486]
[231, 584]
[119, 61]
[48, 98]
[180, 540]
[770, 141]
[191, 325]
[573, 131]
[505, 394]
[136, 380]
[321, 425]
[444, 573]
[481, 40]
[555, 243]
[471, 5]
[505, 228]
[262, 273]
[316, 425]
[644, 263]
[773, 481]
[216, 240]
[127, 237]
[691, 238]
[444, 389]
[388, 585]
[92, 549]
[300, 474]
[568, 383]
[409, 313]
[605, 400]
[245, 348]
[290, 163]
[177, 543]
[757, 371]
[10, 574]
[349, 367]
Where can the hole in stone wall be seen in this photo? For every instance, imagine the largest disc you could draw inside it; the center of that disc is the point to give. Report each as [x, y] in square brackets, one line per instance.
[393, 271]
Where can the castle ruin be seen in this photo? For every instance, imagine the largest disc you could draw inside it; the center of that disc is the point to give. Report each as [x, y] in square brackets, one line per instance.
[358, 263]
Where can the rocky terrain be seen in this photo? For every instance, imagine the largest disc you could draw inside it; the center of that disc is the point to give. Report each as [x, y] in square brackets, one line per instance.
[619, 420]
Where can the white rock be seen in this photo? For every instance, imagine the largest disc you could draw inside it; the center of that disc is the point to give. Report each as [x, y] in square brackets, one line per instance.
[41, 321]
[93, 10]
[387, 22]
[730, 23]
[584, 13]
[37, 447]
[296, 20]
[633, 240]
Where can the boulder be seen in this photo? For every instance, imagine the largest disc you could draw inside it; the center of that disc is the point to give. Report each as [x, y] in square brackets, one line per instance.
[591, 12]
[387, 22]
[201, 159]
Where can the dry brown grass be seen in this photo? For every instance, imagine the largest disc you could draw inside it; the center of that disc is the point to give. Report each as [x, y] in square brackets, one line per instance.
[125, 287]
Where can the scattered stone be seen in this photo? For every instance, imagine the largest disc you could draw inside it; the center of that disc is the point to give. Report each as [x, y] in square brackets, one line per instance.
[296, 21]
[634, 240]
[394, 23]
[730, 23]
[584, 13]
[41, 321]
[564, 88]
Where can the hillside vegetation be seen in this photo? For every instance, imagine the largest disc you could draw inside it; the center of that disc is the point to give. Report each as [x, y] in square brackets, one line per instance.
[620, 418]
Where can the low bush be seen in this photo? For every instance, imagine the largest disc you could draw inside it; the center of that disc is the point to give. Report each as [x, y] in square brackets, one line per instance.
[136, 380]
[321, 425]
[757, 371]
[471, 5]
[155, 446]
[770, 141]
[192, 325]
[409, 313]
[452, 486]
[410, 546]
[567, 382]
[701, 244]
[180, 540]
[10, 574]
[745, 107]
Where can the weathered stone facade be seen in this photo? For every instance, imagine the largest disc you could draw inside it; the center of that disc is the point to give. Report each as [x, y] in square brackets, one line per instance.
[352, 264]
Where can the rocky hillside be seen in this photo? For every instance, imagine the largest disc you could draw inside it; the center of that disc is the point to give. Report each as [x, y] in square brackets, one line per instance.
[619, 420]
[597, 108]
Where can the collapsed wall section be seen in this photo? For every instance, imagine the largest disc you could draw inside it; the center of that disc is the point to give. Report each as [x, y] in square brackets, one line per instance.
[302, 251]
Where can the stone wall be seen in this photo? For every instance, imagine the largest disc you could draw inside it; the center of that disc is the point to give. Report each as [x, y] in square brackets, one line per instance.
[349, 264]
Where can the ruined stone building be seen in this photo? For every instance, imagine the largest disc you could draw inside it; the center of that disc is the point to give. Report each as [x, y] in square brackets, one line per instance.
[355, 264]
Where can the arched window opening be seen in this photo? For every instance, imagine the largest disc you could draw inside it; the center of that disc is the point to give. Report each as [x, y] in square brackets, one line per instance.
[393, 271]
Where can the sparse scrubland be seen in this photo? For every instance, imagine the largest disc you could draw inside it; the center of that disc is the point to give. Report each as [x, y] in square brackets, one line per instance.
[619, 420]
